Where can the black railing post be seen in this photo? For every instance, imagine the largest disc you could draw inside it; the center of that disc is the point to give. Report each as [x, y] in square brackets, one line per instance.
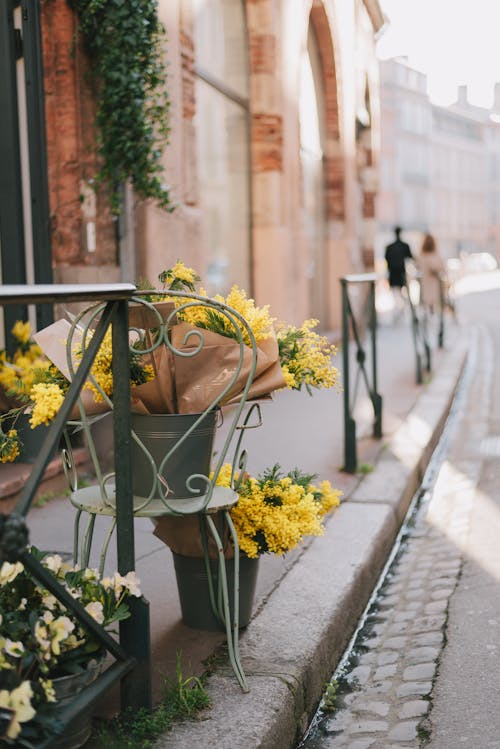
[441, 312]
[350, 458]
[376, 398]
[420, 340]
[134, 631]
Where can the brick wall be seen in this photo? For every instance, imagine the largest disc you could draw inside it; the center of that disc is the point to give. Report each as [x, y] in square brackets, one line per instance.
[71, 149]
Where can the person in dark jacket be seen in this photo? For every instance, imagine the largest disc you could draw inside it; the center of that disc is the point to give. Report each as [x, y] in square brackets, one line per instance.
[396, 255]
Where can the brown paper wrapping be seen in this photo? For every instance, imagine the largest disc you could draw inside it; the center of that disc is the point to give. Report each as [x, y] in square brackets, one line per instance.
[158, 395]
[182, 535]
[200, 379]
[142, 317]
[182, 384]
[52, 341]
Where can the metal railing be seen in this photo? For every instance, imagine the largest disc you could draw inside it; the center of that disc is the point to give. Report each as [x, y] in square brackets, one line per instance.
[420, 331]
[118, 306]
[132, 652]
[351, 328]
[419, 328]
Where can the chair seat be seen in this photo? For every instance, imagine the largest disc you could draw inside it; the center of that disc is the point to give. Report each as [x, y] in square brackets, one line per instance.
[89, 499]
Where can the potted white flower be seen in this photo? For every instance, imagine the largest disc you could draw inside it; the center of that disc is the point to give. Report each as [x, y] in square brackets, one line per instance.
[46, 655]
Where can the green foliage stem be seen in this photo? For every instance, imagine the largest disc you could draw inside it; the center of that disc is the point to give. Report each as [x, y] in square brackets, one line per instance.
[123, 39]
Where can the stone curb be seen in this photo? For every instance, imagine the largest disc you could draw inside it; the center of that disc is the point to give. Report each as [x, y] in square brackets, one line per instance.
[296, 639]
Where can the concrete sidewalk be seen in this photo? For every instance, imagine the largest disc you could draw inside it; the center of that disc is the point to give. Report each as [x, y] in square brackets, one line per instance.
[307, 604]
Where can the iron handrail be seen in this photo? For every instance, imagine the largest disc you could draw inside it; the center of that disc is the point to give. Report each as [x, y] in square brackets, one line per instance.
[350, 325]
[132, 653]
[419, 328]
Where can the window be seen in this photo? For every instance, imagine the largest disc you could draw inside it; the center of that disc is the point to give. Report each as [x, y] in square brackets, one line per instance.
[222, 142]
[311, 114]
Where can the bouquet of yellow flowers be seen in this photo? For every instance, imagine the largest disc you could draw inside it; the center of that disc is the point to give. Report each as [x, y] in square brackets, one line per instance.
[287, 356]
[36, 386]
[274, 514]
[276, 511]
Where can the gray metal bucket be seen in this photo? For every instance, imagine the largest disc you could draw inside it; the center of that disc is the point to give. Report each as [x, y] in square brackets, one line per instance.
[192, 585]
[32, 439]
[159, 433]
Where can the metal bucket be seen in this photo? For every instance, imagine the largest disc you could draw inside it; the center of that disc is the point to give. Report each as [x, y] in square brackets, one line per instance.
[192, 585]
[159, 433]
[32, 439]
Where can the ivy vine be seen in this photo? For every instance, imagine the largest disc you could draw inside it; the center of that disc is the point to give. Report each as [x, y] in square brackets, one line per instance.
[123, 39]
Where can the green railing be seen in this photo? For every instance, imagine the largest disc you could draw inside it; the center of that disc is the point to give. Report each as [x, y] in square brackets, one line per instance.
[351, 329]
[132, 652]
[419, 328]
[420, 331]
[117, 306]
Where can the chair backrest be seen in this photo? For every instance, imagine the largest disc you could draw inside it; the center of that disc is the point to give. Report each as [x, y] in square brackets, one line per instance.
[193, 372]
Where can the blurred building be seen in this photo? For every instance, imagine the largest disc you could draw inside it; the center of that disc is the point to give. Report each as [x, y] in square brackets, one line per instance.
[440, 166]
[273, 156]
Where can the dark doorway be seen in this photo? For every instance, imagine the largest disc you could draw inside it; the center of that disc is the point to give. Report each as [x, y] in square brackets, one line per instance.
[25, 254]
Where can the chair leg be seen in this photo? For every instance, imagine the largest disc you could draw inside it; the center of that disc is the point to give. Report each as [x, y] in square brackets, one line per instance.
[76, 535]
[102, 560]
[236, 589]
[217, 610]
[87, 541]
[232, 632]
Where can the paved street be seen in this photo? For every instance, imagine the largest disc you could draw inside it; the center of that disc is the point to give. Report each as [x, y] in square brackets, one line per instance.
[422, 671]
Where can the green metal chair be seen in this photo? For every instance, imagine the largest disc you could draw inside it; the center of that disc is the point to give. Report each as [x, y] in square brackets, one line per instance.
[160, 461]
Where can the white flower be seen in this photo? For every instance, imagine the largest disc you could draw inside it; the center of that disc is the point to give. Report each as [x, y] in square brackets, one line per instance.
[49, 601]
[59, 630]
[53, 563]
[15, 649]
[107, 583]
[49, 691]
[42, 637]
[132, 582]
[91, 574]
[48, 617]
[9, 572]
[119, 582]
[22, 605]
[95, 609]
[19, 701]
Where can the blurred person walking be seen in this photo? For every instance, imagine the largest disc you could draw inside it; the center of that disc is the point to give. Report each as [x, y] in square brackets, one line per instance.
[396, 255]
[432, 269]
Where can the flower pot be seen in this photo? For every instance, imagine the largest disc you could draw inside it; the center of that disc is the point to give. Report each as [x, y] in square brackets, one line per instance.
[32, 439]
[160, 433]
[194, 597]
[66, 688]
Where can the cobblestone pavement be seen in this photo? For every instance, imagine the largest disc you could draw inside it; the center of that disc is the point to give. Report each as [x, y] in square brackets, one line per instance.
[383, 689]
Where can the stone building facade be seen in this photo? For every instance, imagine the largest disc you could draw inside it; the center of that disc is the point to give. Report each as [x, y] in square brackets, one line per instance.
[272, 160]
[440, 167]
